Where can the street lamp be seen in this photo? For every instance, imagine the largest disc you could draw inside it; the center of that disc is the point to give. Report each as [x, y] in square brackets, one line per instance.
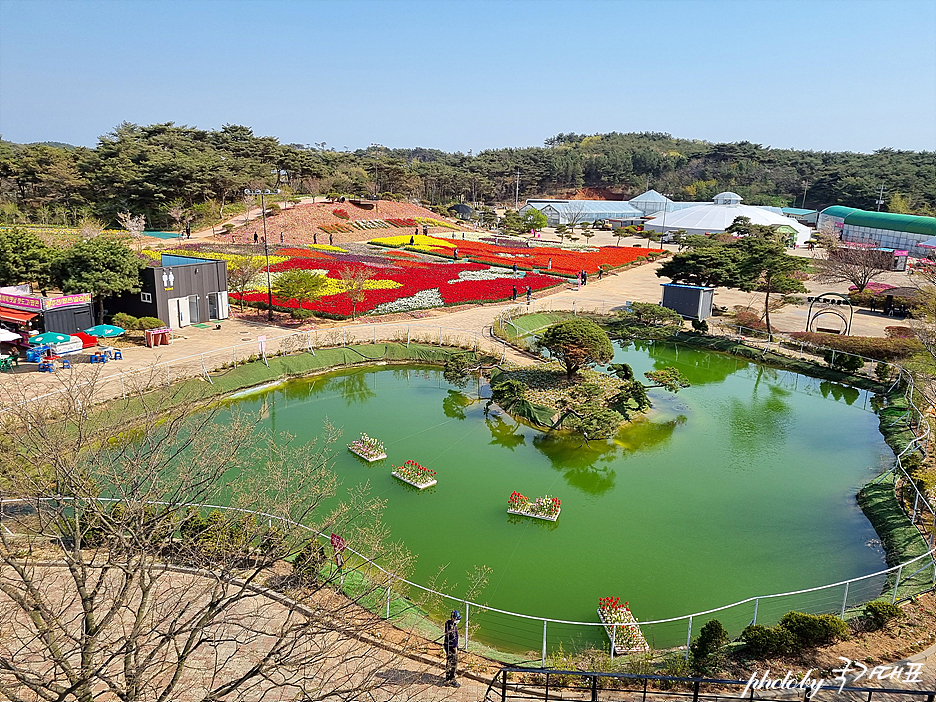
[376, 148]
[266, 243]
[281, 175]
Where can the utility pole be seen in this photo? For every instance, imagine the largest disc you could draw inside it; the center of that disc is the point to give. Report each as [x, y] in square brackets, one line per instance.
[517, 192]
[880, 200]
[805, 188]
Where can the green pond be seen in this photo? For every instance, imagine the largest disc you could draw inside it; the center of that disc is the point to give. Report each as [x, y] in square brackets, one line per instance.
[741, 485]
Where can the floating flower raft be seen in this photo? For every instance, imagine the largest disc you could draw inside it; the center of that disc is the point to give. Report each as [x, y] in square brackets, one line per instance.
[414, 474]
[621, 626]
[367, 448]
[545, 507]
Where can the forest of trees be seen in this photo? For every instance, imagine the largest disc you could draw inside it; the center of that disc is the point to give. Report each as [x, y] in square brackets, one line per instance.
[154, 169]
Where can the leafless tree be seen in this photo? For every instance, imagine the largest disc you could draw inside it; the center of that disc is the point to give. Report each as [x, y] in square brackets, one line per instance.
[112, 587]
[574, 211]
[89, 228]
[134, 224]
[857, 264]
[354, 281]
[241, 273]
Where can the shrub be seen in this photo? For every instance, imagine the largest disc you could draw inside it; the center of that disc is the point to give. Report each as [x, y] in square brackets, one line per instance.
[300, 313]
[843, 361]
[898, 332]
[150, 323]
[507, 392]
[869, 346]
[707, 650]
[125, 321]
[750, 319]
[309, 562]
[766, 641]
[814, 630]
[700, 325]
[880, 612]
[883, 372]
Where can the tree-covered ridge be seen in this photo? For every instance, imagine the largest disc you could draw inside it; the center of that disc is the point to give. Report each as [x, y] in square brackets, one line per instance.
[148, 169]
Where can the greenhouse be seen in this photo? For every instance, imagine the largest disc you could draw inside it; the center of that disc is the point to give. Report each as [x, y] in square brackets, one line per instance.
[577, 211]
[718, 215]
[882, 229]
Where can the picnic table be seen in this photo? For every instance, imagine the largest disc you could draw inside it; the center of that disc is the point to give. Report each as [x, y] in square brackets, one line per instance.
[8, 362]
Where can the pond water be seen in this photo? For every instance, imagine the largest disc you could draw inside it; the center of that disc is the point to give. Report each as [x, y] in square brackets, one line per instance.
[741, 485]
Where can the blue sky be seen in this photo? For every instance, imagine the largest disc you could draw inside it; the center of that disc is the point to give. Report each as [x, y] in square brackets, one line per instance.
[818, 74]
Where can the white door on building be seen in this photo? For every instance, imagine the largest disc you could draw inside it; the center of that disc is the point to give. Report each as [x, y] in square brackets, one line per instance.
[173, 313]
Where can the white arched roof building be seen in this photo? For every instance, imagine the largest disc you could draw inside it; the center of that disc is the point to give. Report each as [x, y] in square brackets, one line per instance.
[718, 216]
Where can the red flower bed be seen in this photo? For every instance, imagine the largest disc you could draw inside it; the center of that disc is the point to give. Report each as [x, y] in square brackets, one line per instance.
[563, 262]
[413, 277]
[406, 222]
[341, 213]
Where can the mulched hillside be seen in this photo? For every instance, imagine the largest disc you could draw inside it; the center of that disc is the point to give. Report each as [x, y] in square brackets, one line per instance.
[321, 222]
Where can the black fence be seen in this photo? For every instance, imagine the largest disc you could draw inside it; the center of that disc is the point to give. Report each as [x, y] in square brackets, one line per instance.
[551, 684]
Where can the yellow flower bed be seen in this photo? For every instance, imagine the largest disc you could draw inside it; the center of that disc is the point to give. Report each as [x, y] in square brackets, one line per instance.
[419, 240]
[331, 287]
[214, 255]
[326, 247]
[436, 223]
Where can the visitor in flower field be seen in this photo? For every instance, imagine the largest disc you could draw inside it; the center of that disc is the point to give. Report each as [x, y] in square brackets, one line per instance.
[450, 645]
[256, 238]
[529, 294]
[514, 298]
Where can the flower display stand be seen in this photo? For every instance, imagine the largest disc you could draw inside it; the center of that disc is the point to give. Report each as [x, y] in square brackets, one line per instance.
[367, 448]
[420, 486]
[550, 518]
[369, 459]
[545, 507]
[414, 474]
[623, 630]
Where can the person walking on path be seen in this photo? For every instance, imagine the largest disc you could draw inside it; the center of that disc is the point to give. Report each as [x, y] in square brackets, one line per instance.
[600, 270]
[282, 235]
[514, 298]
[584, 277]
[450, 645]
[315, 237]
[256, 238]
[331, 239]
[529, 294]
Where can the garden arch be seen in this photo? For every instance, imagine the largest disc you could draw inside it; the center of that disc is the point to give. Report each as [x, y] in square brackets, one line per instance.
[826, 301]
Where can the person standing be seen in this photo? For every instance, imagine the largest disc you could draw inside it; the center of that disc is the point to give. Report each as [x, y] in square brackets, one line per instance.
[455, 253]
[315, 237]
[584, 277]
[188, 230]
[529, 294]
[256, 238]
[600, 270]
[450, 645]
[282, 234]
[514, 297]
[331, 239]
[515, 268]
[549, 266]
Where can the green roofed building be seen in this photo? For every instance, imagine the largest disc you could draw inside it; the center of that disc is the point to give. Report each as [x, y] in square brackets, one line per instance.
[885, 230]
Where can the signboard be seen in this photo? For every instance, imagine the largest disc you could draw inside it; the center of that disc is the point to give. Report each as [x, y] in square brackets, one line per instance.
[52, 303]
[337, 543]
[31, 303]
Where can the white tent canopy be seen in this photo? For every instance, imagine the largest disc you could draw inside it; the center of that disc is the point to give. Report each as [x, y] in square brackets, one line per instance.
[709, 218]
[7, 335]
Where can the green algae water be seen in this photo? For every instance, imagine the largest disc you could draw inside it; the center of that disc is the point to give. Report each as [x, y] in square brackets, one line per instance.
[741, 485]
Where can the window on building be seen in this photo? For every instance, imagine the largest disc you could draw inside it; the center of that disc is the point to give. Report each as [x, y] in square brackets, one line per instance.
[146, 297]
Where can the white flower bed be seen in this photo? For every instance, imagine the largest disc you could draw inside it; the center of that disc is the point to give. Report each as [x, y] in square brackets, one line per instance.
[422, 300]
[491, 273]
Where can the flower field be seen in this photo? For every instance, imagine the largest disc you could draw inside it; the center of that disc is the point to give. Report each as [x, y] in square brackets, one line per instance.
[398, 284]
[547, 259]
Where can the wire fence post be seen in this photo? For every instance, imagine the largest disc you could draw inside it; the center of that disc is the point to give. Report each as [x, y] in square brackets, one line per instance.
[168, 378]
[123, 390]
[234, 355]
[467, 612]
[844, 601]
[345, 333]
[389, 585]
[543, 662]
[440, 336]
[613, 639]
[407, 337]
[756, 603]
[896, 584]
[375, 334]
[688, 637]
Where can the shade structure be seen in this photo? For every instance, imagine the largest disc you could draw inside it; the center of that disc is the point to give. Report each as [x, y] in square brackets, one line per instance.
[104, 330]
[49, 338]
[928, 244]
[7, 335]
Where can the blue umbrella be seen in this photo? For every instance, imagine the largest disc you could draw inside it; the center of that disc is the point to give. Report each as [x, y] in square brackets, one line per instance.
[104, 330]
[49, 338]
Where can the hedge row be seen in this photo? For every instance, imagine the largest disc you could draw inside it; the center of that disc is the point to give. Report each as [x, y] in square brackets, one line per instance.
[868, 346]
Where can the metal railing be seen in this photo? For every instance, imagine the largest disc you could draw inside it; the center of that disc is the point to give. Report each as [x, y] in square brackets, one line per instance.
[912, 577]
[515, 683]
